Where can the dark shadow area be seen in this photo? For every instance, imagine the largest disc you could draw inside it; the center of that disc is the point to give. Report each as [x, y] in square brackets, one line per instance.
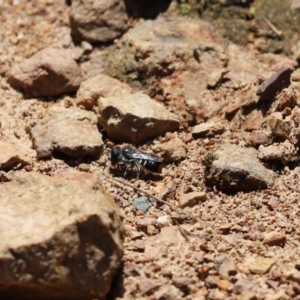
[117, 286]
[147, 9]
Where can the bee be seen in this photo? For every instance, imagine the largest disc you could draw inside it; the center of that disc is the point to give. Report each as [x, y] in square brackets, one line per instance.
[133, 157]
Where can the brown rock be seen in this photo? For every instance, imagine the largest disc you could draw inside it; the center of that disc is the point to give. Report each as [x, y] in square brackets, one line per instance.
[99, 21]
[171, 151]
[182, 282]
[211, 281]
[147, 286]
[274, 84]
[253, 121]
[58, 242]
[278, 126]
[73, 132]
[262, 265]
[207, 129]
[227, 269]
[135, 119]
[274, 238]
[233, 239]
[242, 285]
[10, 156]
[191, 199]
[216, 295]
[224, 285]
[284, 152]
[233, 168]
[260, 137]
[93, 88]
[247, 295]
[50, 72]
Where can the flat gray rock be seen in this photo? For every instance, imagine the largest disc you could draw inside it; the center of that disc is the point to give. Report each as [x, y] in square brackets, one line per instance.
[135, 118]
[50, 72]
[61, 238]
[73, 132]
[235, 168]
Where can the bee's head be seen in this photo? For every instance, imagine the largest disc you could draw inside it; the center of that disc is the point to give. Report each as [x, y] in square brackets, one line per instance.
[114, 155]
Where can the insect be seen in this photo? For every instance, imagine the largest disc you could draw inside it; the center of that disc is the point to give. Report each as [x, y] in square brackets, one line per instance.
[133, 157]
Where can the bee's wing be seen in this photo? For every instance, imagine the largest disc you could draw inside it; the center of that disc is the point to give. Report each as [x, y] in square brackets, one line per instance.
[147, 156]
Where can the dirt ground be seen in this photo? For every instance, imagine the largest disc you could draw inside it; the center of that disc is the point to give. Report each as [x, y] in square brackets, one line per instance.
[217, 249]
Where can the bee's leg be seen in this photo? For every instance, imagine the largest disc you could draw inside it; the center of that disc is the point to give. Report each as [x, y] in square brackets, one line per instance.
[127, 169]
[138, 169]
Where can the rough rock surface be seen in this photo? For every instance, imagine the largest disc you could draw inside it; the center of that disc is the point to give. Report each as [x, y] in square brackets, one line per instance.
[191, 199]
[171, 151]
[93, 88]
[99, 21]
[73, 132]
[183, 52]
[135, 118]
[207, 129]
[10, 156]
[58, 242]
[284, 152]
[233, 168]
[50, 72]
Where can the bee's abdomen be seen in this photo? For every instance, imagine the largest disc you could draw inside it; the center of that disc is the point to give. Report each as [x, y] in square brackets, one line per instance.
[152, 166]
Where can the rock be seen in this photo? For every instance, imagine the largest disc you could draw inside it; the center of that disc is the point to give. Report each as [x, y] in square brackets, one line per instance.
[58, 242]
[259, 137]
[93, 88]
[295, 4]
[243, 285]
[247, 295]
[207, 129]
[253, 121]
[168, 236]
[211, 281]
[142, 203]
[144, 222]
[184, 52]
[234, 168]
[191, 199]
[233, 239]
[278, 126]
[11, 156]
[284, 152]
[224, 285]
[164, 221]
[262, 265]
[50, 72]
[168, 291]
[73, 132]
[227, 269]
[182, 282]
[135, 119]
[146, 286]
[274, 238]
[216, 295]
[99, 21]
[274, 84]
[172, 151]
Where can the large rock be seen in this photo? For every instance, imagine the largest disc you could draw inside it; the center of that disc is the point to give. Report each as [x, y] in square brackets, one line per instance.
[184, 52]
[58, 242]
[73, 132]
[10, 156]
[100, 86]
[235, 168]
[135, 118]
[98, 21]
[50, 72]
